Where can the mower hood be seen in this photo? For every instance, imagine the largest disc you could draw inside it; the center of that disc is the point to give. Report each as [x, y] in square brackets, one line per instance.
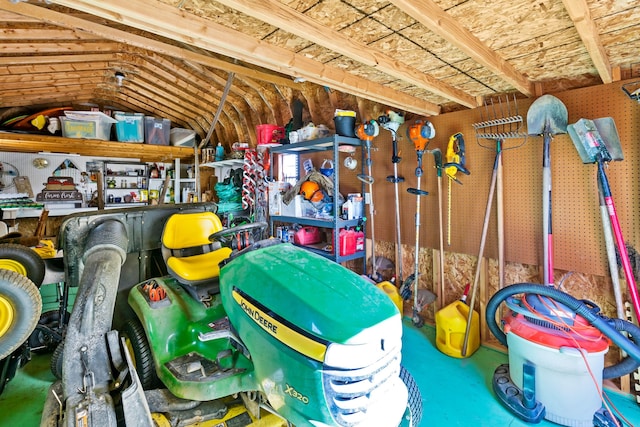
[290, 288]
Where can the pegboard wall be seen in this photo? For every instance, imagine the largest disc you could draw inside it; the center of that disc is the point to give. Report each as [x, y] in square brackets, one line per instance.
[576, 219]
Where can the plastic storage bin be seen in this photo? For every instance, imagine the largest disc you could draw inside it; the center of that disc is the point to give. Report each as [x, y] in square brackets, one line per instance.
[86, 124]
[182, 137]
[157, 131]
[129, 126]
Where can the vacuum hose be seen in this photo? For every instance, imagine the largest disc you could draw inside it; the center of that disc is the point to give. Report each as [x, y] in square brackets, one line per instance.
[611, 328]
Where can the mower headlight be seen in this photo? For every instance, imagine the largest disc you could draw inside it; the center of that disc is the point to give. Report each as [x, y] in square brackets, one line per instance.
[367, 347]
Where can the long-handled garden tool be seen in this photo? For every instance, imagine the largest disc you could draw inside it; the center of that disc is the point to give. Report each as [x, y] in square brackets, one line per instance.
[547, 116]
[420, 133]
[366, 132]
[609, 242]
[597, 142]
[437, 157]
[391, 122]
[502, 124]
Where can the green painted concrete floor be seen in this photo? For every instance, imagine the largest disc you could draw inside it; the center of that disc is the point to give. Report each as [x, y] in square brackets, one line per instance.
[455, 392]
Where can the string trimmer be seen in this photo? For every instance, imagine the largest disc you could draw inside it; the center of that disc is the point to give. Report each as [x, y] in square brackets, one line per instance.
[366, 132]
[420, 133]
[392, 122]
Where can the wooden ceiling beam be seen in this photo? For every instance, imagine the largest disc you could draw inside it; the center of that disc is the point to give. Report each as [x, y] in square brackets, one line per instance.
[44, 85]
[288, 19]
[432, 16]
[45, 48]
[579, 13]
[55, 59]
[171, 22]
[52, 17]
[41, 32]
[44, 80]
[16, 67]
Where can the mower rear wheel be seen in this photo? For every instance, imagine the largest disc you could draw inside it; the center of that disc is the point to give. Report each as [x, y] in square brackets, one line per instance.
[23, 260]
[20, 308]
[138, 346]
[414, 402]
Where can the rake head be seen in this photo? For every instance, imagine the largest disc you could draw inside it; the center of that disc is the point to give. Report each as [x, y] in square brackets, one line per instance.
[499, 120]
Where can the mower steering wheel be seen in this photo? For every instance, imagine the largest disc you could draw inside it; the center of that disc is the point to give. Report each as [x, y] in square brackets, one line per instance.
[239, 237]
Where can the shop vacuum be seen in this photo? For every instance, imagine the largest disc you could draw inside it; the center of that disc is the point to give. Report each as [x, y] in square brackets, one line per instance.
[556, 355]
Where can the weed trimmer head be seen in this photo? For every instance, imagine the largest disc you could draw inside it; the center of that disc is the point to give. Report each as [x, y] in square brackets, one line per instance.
[420, 133]
[391, 121]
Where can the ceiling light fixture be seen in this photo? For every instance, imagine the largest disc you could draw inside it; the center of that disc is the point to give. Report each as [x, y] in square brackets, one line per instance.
[119, 77]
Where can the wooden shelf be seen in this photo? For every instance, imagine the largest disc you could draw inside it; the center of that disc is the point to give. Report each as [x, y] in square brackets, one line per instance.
[28, 143]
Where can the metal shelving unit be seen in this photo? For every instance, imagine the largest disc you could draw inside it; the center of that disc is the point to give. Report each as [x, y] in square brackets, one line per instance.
[336, 223]
[127, 178]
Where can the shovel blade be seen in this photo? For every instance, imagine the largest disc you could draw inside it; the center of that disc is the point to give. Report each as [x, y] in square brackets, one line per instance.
[604, 131]
[547, 115]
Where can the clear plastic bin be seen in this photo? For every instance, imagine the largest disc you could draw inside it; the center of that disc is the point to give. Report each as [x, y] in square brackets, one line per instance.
[157, 131]
[86, 124]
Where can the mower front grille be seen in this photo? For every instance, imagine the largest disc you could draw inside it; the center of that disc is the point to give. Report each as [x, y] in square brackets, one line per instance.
[350, 393]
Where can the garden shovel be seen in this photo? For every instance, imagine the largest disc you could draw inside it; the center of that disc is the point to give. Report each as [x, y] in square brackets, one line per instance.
[547, 116]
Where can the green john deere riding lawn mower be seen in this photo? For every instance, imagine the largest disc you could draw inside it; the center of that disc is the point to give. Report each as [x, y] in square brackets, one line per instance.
[297, 338]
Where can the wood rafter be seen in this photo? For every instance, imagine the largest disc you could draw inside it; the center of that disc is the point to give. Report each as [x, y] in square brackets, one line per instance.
[429, 14]
[170, 22]
[579, 13]
[67, 21]
[288, 19]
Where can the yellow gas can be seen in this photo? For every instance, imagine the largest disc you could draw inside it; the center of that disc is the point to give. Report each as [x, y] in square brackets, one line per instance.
[391, 290]
[451, 323]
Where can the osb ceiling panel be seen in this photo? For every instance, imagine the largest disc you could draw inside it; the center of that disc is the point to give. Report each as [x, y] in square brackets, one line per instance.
[424, 58]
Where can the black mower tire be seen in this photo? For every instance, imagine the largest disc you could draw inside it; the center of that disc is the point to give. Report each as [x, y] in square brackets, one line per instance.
[414, 401]
[41, 342]
[136, 340]
[24, 260]
[56, 361]
[20, 308]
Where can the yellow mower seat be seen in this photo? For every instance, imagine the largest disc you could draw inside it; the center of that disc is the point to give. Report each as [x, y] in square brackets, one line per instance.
[189, 255]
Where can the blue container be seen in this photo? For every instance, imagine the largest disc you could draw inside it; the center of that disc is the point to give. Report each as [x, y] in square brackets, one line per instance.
[129, 126]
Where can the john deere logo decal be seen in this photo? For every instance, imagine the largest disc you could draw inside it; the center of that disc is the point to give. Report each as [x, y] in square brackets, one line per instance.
[279, 328]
